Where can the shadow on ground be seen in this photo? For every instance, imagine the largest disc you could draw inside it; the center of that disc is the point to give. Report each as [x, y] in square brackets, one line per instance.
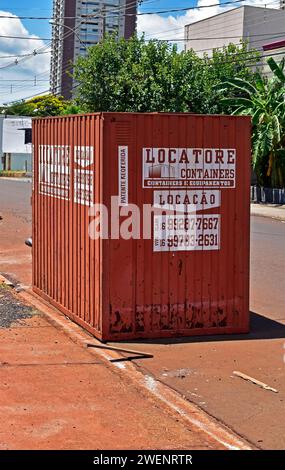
[260, 328]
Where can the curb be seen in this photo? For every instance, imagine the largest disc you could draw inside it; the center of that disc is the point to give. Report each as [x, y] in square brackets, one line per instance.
[170, 400]
[18, 179]
[257, 210]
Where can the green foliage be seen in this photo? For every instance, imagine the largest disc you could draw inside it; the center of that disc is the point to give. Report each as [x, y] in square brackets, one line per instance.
[140, 76]
[46, 105]
[72, 108]
[12, 173]
[265, 102]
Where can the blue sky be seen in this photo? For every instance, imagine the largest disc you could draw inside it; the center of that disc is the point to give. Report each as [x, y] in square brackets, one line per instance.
[31, 75]
[30, 8]
[41, 28]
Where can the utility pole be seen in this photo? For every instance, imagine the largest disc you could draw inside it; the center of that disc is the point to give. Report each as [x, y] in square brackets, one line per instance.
[103, 21]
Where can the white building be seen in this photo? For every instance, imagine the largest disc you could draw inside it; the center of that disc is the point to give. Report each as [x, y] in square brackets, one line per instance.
[275, 50]
[257, 25]
[15, 143]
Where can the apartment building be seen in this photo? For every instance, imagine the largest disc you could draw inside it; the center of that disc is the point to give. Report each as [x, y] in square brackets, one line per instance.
[79, 24]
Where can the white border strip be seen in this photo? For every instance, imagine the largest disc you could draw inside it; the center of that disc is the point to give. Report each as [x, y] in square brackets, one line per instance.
[123, 175]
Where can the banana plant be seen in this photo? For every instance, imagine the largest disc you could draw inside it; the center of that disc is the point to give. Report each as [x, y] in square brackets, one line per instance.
[265, 102]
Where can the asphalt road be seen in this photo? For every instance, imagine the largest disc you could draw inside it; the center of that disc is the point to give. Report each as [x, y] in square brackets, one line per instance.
[15, 227]
[267, 267]
[15, 197]
[267, 247]
[201, 368]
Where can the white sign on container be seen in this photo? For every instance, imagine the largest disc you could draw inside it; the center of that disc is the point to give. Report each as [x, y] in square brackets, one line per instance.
[54, 171]
[189, 168]
[186, 233]
[187, 201]
[123, 176]
[83, 155]
[84, 187]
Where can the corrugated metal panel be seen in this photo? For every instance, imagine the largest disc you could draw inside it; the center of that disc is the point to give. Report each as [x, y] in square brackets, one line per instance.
[65, 261]
[123, 289]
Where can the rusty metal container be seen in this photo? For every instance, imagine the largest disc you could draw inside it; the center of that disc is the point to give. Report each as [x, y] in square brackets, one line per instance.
[191, 275]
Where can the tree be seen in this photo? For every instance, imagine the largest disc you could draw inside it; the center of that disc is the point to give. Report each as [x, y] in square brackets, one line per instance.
[139, 76]
[265, 102]
[46, 105]
[205, 73]
[71, 108]
[120, 75]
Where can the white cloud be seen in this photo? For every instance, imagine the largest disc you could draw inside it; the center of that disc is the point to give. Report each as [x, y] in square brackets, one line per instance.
[27, 68]
[172, 27]
[154, 26]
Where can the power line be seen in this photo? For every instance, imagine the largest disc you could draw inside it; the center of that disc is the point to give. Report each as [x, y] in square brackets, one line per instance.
[91, 16]
[158, 12]
[69, 33]
[78, 26]
[14, 90]
[215, 37]
[19, 80]
[85, 18]
[207, 63]
[30, 38]
[23, 55]
[248, 57]
[173, 10]
[257, 63]
[169, 10]
[217, 48]
[26, 98]
[215, 21]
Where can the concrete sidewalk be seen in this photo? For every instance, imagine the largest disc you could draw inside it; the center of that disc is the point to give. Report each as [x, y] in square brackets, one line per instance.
[56, 395]
[268, 210]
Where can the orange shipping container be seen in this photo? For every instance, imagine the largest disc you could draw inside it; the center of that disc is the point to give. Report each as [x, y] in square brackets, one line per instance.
[172, 191]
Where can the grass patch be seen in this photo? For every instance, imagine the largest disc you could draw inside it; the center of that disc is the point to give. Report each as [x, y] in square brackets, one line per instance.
[12, 174]
[4, 286]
